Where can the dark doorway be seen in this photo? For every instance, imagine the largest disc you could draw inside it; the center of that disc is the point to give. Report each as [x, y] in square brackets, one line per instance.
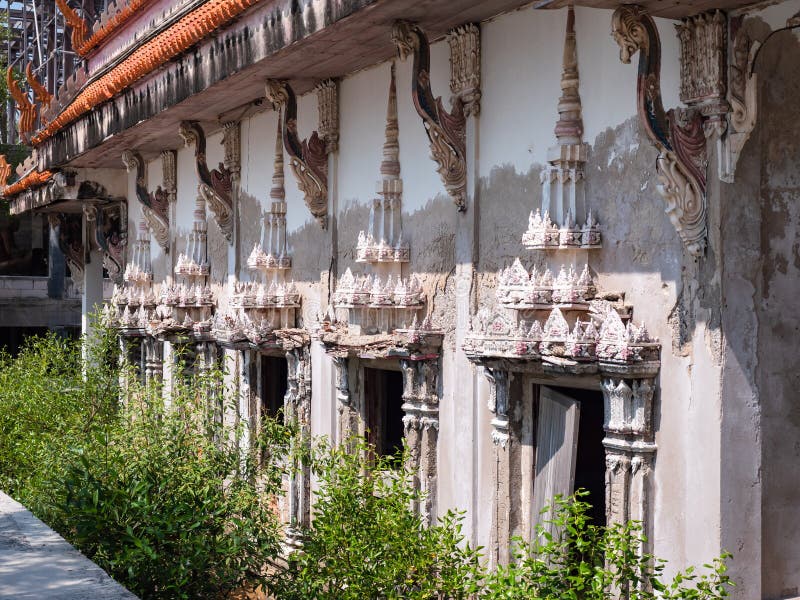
[383, 398]
[590, 463]
[274, 376]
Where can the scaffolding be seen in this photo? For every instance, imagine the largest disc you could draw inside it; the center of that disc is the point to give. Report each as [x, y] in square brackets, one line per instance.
[36, 34]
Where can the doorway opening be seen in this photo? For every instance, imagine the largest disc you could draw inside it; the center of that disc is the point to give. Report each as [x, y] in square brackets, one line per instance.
[274, 382]
[569, 448]
[383, 400]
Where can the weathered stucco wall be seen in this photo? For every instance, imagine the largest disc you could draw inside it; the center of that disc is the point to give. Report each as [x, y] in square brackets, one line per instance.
[726, 419]
[778, 366]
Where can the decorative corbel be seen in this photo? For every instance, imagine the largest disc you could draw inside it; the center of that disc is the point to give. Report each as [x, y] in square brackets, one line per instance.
[70, 243]
[446, 130]
[678, 135]
[328, 101]
[216, 186]
[27, 111]
[742, 96]
[155, 205]
[110, 236]
[80, 29]
[307, 158]
[465, 66]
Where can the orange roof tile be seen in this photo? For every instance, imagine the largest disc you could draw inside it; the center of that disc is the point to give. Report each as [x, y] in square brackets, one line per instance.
[114, 23]
[30, 180]
[146, 58]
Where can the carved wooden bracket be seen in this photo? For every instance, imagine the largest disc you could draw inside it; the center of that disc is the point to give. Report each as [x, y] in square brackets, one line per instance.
[70, 242]
[109, 234]
[446, 130]
[678, 135]
[307, 158]
[216, 186]
[155, 205]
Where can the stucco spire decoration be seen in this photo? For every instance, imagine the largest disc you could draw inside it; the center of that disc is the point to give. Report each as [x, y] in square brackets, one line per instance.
[382, 247]
[27, 111]
[135, 300]
[278, 191]
[307, 158]
[42, 95]
[258, 308]
[446, 130]
[569, 128]
[678, 135]
[80, 30]
[563, 194]
[216, 186]
[5, 172]
[155, 205]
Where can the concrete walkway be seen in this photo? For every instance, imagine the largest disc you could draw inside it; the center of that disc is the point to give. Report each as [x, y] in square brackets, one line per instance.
[36, 562]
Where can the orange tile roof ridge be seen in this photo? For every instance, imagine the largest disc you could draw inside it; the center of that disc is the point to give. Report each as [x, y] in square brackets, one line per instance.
[33, 179]
[112, 25]
[154, 53]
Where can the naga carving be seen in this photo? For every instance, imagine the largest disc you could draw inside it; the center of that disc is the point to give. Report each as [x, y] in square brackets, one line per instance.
[216, 186]
[27, 111]
[677, 135]
[110, 236]
[446, 130]
[70, 243]
[40, 92]
[80, 30]
[308, 158]
[155, 205]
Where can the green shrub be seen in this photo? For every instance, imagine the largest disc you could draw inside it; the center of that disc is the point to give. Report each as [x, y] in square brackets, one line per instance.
[584, 561]
[365, 540]
[168, 502]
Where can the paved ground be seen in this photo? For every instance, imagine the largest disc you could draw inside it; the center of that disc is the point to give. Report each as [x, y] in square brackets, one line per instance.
[36, 562]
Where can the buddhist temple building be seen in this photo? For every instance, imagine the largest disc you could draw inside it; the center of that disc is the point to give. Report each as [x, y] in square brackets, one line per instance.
[545, 245]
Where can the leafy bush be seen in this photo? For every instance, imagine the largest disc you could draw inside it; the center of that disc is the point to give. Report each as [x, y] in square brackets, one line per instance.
[48, 405]
[164, 499]
[167, 501]
[365, 540]
[584, 561]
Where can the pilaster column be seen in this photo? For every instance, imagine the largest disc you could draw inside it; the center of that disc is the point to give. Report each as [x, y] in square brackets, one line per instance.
[499, 393]
[55, 260]
[297, 403]
[421, 426]
[154, 361]
[348, 414]
[92, 300]
[231, 139]
[630, 450]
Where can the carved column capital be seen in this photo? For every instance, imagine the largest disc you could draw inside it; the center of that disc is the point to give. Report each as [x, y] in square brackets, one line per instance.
[231, 140]
[465, 66]
[703, 43]
[499, 393]
[328, 102]
[341, 365]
